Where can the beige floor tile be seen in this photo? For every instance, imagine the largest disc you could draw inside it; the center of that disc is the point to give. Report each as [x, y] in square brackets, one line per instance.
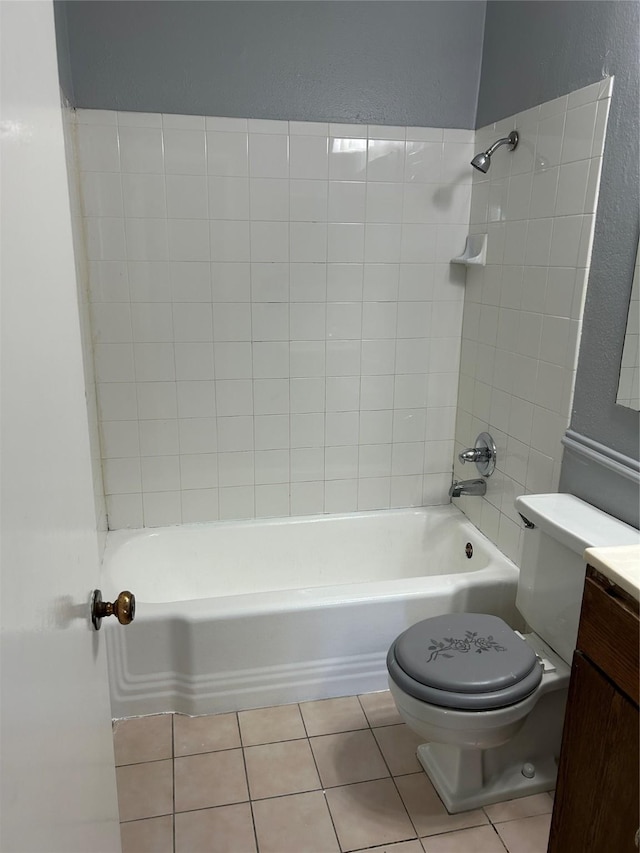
[274, 769]
[480, 839]
[401, 847]
[330, 716]
[154, 835]
[297, 824]
[522, 807]
[529, 835]
[192, 735]
[398, 745]
[348, 757]
[145, 790]
[142, 739]
[226, 829]
[211, 779]
[369, 813]
[427, 810]
[380, 708]
[268, 725]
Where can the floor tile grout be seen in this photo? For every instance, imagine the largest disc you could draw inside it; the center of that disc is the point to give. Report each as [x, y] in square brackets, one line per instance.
[324, 789]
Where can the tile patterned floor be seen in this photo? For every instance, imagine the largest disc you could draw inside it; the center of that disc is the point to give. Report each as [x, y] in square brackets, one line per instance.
[335, 775]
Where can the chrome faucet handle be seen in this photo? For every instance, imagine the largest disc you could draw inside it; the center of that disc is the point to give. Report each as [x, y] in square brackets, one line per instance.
[473, 454]
[483, 454]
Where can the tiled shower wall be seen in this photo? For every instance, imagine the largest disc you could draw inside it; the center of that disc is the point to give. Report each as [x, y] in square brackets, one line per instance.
[276, 322]
[82, 283]
[522, 312]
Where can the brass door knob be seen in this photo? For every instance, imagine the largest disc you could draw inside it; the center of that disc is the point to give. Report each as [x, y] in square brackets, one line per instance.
[123, 608]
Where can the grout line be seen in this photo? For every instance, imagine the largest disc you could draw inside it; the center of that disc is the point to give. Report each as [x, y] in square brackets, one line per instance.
[250, 800]
[173, 778]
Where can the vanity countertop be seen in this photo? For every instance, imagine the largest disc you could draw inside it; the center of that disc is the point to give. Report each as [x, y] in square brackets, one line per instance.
[621, 564]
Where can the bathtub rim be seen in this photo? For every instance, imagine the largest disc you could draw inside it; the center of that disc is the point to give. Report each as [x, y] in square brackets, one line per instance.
[310, 597]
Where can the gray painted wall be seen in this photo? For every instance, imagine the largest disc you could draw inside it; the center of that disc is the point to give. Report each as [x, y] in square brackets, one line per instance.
[402, 63]
[552, 48]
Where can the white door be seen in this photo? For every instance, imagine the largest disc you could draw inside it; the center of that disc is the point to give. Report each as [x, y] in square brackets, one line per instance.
[57, 784]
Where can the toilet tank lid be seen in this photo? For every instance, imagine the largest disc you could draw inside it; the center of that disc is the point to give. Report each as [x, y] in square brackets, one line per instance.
[575, 523]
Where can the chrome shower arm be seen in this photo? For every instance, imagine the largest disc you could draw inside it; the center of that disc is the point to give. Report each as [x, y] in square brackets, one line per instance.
[511, 141]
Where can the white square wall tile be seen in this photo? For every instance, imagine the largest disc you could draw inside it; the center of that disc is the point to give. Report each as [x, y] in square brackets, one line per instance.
[262, 125]
[162, 508]
[307, 498]
[270, 282]
[199, 470]
[183, 122]
[158, 437]
[98, 149]
[347, 201]
[141, 149]
[307, 321]
[156, 400]
[188, 240]
[269, 199]
[578, 133]
[308, 242]
[160, 473]
[227, 154]
[271, 396]
[236, 469]
[272, 501]
[192, 322]
[122, 476]
[308, 200]
[117, 401]
[271, 432]
[347, 158]
[234, 397]
[385, 160]
[105, 239]
[194, 398]
[341, 462]
[236, 502]
[187, 197]
[184, 151]
[199, 505]
[194, 361]
[270, 321]
[307, 430]
[271, 467]
[269, 156]
[102, 194]
[345, 243]
[309, 157]
[228, 197]
[308, 282]
[146, 240]
[270, 241]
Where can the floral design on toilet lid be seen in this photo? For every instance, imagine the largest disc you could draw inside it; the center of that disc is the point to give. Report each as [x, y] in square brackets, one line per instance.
[463, 645]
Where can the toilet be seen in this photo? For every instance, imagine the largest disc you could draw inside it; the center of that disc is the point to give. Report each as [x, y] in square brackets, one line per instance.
[488, 700]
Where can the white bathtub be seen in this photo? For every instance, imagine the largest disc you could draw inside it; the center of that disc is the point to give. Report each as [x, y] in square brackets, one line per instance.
[236, 615]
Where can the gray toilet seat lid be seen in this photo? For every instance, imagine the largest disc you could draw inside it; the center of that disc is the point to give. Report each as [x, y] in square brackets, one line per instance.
[466, 653]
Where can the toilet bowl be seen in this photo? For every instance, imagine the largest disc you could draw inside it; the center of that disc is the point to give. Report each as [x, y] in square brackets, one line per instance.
[484, 745]
[488, 701]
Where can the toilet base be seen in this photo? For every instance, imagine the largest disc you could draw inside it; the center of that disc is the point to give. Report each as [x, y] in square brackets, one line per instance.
[460, 777]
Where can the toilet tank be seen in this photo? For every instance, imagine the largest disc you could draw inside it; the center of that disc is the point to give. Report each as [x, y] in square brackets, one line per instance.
[553, 568]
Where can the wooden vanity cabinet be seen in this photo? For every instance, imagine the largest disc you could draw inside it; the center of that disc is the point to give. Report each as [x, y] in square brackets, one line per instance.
[596, 808]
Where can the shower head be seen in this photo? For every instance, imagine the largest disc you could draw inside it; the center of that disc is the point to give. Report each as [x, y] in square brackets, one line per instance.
[482, 161]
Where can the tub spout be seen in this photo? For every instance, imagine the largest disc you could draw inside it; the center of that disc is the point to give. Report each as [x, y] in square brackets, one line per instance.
[467, 487]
